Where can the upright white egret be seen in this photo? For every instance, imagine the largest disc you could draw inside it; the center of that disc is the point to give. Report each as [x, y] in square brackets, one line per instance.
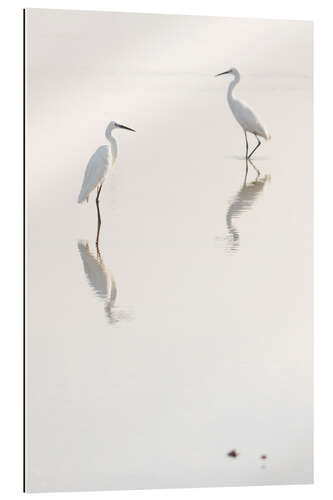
[245, 116]
[98, 166]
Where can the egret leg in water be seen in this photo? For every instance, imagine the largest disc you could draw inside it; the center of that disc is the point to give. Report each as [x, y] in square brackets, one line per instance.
[247, 162]
[99, 220]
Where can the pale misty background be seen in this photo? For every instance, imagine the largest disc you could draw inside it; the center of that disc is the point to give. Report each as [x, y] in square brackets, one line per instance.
[191, 333]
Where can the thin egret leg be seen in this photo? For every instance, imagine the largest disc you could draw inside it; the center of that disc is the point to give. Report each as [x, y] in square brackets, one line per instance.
[99, 258]
[246, 172]
[247, 145]
[98, 213]
[255, 168]
[257, 146]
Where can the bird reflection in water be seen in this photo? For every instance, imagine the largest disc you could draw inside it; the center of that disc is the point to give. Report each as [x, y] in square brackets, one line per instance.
[243, 202]
[101, 280]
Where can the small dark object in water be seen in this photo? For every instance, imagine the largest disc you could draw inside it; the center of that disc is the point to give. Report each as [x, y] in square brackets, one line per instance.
[263, 457]
[233, 453]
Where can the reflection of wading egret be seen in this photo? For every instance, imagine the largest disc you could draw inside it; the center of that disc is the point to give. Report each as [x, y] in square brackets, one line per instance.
[99, 278]
[243, 202]
[98, 166]
[245, 116]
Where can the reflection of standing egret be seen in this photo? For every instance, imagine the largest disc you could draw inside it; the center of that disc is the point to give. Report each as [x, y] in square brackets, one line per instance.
[245, 116]
[99, 278]
[243, 202]
[98, 166]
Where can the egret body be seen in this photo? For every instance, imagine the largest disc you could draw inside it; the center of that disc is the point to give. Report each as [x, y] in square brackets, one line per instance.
[98, 166]
[245, 116]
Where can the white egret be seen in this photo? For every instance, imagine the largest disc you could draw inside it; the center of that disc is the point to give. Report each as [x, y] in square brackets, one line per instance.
[98, 166]
[245, 116]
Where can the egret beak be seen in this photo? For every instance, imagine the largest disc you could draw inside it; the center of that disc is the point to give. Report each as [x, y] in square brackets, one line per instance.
[224, 73]
[123, 126]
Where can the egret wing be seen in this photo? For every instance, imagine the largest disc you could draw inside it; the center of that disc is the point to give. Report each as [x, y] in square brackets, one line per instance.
[248, 119]
[95, 172]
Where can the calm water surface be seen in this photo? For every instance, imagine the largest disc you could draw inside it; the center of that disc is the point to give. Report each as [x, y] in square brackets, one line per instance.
[188, 331]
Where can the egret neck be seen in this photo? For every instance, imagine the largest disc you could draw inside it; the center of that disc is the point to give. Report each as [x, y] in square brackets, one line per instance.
[113, 144]
[232, 86]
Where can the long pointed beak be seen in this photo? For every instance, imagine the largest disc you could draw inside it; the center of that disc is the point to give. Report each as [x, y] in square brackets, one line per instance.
[127, 128]
[224, 73]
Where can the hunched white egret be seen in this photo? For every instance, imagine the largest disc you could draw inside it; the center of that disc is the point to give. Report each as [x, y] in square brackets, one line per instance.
[245, 116]
[98, 166]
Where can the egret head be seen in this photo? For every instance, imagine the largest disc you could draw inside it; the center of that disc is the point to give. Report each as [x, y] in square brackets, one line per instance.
[232, 71]
[114, 125]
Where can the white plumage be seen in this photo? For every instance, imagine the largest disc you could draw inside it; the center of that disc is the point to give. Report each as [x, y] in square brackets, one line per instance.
[96, 171]
[100, 163]
[244, 115]
[247, 119]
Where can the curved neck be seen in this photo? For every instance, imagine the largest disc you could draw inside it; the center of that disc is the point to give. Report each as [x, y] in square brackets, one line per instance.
[231, 87]
[114, 147]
